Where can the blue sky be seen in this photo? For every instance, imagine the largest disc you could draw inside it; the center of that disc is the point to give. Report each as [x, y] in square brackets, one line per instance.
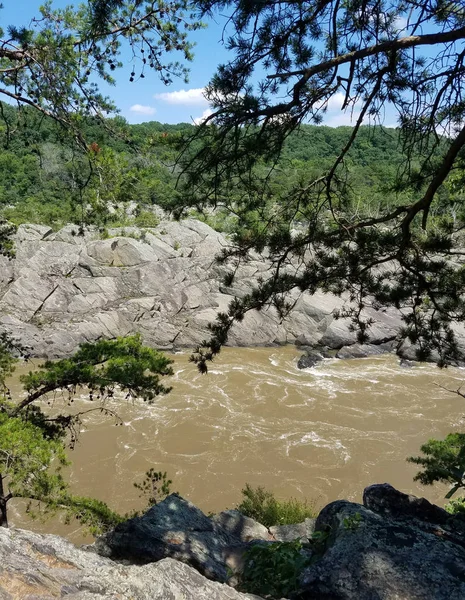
[148, 99]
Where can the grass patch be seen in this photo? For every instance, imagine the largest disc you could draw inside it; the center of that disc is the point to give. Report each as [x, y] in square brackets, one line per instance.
[264, 507]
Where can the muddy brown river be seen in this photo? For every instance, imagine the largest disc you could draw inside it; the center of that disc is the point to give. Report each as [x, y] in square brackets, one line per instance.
[322, 433]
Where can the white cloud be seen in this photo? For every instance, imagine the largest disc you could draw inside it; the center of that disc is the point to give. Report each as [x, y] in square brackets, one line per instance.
[206, 113]
[143, 110]
[336, 101]
[400, 23]
[192, 97]
[334, 115]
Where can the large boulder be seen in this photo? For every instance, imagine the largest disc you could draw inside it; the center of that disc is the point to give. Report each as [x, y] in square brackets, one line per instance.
[42, 567]
[364, 350]
[177, 529]
[385, 500]
[402, 552]
[31, 232]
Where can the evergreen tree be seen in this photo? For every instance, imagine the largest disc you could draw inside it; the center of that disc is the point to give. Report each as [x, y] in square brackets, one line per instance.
[290, 61]
[32, 443]
[444, 461]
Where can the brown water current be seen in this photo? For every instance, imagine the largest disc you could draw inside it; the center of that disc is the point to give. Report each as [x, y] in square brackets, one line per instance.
[322, 433]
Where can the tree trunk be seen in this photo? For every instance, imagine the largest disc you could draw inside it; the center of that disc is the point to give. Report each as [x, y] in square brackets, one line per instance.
[3, 501]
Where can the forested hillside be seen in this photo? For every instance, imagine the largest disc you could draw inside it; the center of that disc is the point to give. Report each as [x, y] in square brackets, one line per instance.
[44, 180]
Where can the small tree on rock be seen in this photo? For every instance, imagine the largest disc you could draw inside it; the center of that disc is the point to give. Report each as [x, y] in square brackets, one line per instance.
[32, 443]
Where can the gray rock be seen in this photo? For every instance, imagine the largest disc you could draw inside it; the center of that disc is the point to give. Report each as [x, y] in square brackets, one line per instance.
[299, 531]
[385, 500]
[309, 359]
[73, 234]
[121, 252]
[242, 527]
[177, 529]
[385, 328]
[337, 335]
[409, 353]
[372, 557]
[362, 350]
[29, 231]
[406, 364]
[41, 567]
[64, 288]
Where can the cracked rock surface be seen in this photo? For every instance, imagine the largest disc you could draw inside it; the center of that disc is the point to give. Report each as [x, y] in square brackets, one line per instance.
[44, 567]
[64, 288]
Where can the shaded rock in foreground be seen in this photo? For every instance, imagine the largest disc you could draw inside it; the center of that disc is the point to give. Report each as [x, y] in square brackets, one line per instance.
[176, 528]
[372, 557]
[41, 567]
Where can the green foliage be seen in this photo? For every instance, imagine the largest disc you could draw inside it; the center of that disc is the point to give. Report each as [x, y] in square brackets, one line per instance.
[352, 522]
[7, 359]
[146, 218]
[43, 179]
[444, 461]
[102, 366]
[154, 487]
[32, 444]
[30, 463]
[93, 514]
[264, 507]
[319, 540]
[7, 229]
[456, 506]
[272, 570]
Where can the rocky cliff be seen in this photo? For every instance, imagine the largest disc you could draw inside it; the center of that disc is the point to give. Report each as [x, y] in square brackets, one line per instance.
[66, 288]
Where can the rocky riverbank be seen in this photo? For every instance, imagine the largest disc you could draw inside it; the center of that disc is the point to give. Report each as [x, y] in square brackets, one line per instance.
[393, 547]
[69, 287]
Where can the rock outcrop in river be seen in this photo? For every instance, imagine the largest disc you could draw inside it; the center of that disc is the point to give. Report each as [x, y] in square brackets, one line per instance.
[393, 547]
[65, 288]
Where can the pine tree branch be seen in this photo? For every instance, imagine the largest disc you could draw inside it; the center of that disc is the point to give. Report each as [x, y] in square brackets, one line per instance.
[382, 48]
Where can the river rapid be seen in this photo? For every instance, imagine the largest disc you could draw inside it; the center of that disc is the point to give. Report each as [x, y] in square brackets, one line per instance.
[322, 433]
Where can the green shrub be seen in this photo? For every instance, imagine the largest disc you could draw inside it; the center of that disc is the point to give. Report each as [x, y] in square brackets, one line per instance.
[273, 570]
[264, 507]
[146, 218]
[456, 506]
